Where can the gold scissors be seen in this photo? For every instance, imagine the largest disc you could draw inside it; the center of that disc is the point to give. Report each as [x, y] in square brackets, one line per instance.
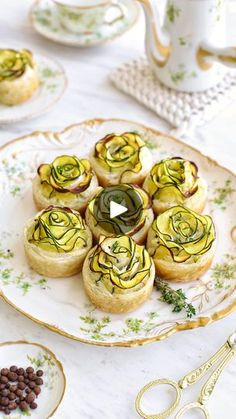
[227, 351]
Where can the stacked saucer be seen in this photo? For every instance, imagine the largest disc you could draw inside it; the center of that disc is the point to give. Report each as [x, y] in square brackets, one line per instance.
[83, 23]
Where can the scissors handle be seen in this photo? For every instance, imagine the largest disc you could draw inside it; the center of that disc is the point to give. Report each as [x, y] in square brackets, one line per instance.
[166, 413]
[196, 375]
[209, 386]
[191, 406]
[228, 350]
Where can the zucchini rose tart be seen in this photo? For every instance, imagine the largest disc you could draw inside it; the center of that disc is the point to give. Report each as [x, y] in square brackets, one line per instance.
[56, 242]
[182, 244]
[135, 221]
[18, 76]
[67, 181]
[118, 274]
[173, 182]
[120, 159]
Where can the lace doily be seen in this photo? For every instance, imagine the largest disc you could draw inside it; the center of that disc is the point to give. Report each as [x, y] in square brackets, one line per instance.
[184, 111]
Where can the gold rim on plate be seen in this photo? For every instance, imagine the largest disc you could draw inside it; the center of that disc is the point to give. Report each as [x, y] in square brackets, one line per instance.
[200, 322]
[26, 342]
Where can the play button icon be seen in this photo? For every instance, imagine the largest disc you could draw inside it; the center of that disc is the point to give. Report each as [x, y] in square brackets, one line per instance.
[116, 209]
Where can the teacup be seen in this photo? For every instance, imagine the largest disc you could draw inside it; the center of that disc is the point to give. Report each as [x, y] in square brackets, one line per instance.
[86, 16]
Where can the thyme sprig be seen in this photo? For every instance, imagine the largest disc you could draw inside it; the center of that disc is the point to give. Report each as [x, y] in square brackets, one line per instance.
[177, 298]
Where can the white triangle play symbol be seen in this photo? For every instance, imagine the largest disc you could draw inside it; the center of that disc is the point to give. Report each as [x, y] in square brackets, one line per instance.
[116, 209]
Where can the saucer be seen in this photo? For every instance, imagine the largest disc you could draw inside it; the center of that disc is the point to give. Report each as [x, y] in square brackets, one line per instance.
[45, 21]
[52, 86]
[25, 354]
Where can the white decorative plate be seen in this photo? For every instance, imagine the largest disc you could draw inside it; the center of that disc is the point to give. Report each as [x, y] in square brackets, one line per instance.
[52, 86]
[25, 354]
[44, 18]
[61, 304]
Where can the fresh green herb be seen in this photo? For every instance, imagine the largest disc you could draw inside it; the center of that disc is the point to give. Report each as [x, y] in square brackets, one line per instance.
[177, 298]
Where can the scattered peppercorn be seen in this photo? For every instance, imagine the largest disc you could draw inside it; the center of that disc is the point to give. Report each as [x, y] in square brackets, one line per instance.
[19, 388]
[37, 390]
[11, 396]
[4, 401]
[12, 406]
[5, 392]
[12, 376]
[19, 392]
[23, 406]
[39, 381]
[32, 376]
[20, 371]
[4, 371]
[30, 398]
[39, 373]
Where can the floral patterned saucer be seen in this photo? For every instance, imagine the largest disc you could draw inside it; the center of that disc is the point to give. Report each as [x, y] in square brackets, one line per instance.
[45, 21]
[52, 86]
[61, 304]
[25, 354]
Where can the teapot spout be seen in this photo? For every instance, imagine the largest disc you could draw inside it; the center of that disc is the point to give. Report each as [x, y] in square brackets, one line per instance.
[206, 55]
[158, 46]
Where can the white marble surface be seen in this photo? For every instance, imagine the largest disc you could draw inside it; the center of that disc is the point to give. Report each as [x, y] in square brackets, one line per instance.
[103, 382]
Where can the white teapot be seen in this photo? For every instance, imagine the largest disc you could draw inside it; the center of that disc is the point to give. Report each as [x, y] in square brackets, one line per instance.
[188, 52]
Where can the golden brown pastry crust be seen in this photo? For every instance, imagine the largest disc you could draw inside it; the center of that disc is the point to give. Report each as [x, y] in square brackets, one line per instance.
[15, 92]
[79, 204]
[126, 173]
[175, 181]
[194, 264]
[125, 301]
[53, 264]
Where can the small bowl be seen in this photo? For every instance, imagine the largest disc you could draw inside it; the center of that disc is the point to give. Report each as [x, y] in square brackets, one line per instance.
[25, 354]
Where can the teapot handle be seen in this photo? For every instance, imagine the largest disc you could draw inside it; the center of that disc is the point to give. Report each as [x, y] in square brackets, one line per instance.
[158, 44]
[206, 55]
